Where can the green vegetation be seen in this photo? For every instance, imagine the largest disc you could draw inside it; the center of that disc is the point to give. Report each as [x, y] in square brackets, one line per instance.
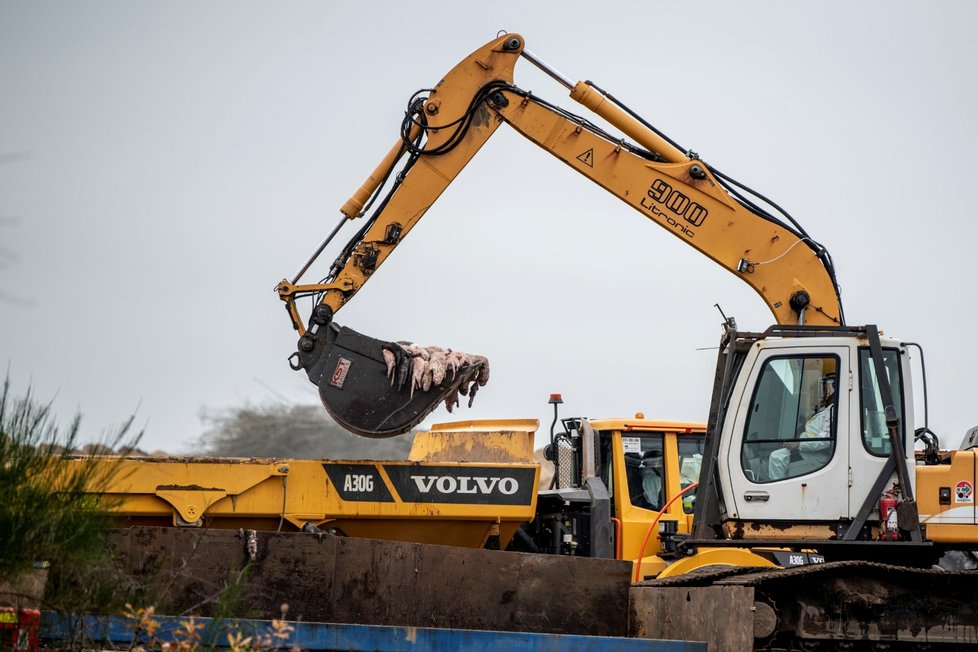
[47, 513]
[52, 512]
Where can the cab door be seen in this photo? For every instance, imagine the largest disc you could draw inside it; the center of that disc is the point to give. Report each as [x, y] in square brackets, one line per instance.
[869, 446]
[639, 488]
[785, 453]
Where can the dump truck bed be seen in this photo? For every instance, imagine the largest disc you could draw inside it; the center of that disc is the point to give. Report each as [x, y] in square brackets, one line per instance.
[460, 487]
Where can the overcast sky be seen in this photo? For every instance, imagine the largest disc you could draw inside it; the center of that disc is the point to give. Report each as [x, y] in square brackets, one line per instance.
[164, 164]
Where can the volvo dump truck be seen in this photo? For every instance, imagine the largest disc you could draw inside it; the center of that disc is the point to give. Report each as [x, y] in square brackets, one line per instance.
[810, 446]
[471, 484]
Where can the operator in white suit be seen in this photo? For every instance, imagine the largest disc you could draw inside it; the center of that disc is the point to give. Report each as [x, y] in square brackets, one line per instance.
[814, 454]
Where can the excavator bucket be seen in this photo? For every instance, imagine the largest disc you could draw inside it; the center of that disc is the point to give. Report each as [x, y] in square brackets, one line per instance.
[361, 392]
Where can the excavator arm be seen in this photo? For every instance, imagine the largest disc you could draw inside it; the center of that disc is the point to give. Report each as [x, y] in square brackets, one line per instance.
[443, 129]
[440, 135]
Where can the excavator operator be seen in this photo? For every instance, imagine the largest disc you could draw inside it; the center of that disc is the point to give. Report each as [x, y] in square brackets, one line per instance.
[800, 457]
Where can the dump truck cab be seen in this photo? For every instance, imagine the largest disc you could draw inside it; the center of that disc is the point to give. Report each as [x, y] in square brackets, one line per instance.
[612, 479]
[648, 464]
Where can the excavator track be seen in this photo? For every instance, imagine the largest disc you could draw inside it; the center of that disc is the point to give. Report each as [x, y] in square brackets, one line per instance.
[847, 605]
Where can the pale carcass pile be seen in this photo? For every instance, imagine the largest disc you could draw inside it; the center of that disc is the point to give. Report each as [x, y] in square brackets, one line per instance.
[428, 366]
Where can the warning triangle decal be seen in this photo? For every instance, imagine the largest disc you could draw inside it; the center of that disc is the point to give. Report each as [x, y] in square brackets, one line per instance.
[587, 158]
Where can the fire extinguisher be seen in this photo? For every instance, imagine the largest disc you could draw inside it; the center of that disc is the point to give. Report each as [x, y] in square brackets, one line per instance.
[889, 530]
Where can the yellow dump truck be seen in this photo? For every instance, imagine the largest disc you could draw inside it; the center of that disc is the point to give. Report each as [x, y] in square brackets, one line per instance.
[468, 483]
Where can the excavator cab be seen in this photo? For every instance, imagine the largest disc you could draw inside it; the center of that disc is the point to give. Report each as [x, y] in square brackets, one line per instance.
[378, 389]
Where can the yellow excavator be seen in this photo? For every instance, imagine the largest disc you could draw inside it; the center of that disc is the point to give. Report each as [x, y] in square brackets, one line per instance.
[810, 447]
[442, 130]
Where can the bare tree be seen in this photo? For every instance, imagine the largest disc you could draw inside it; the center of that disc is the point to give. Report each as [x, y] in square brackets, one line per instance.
[287, 430]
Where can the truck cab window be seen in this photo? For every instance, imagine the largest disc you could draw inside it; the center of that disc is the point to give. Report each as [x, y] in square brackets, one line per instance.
[690, 461]
[644, 470]
[790, 428]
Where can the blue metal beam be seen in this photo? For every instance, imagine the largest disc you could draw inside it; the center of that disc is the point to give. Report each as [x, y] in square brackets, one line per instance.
[353, 638]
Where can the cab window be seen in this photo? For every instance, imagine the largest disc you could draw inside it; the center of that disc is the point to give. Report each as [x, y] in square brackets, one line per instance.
[690, 462]
[644, 470]
[876, 437]
[791, 425]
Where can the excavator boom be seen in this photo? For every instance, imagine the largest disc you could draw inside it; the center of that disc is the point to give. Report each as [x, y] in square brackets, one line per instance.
[443, 129]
